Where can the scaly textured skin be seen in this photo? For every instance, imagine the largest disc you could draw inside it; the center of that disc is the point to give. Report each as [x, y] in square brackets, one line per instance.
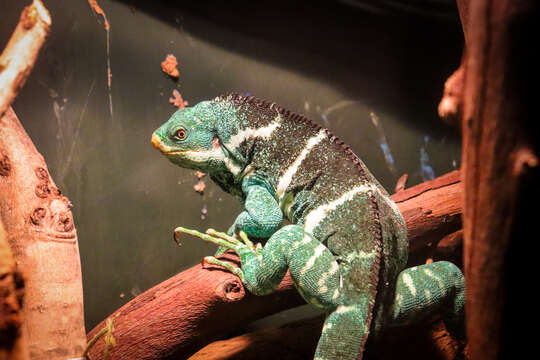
[347, 246]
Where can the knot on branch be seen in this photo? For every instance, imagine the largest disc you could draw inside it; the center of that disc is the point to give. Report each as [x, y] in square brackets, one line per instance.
[44, 188]
[231, 290]
[59, 220]
[450, 106]
[5, 165]
[29, 17]
[524, 159]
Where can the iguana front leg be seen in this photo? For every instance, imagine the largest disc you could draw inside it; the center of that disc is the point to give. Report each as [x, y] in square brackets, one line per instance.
[262, 216]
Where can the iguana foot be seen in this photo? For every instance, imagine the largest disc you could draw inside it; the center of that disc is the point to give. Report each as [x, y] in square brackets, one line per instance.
[226, 241]
[227, 266]
[232, 239]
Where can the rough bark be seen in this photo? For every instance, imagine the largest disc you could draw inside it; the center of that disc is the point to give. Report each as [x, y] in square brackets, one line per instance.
[43, 239]
[12, 346]
[432, 210]
[179, 316]
[500, 172]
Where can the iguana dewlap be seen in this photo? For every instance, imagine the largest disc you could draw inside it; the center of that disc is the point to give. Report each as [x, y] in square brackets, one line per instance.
[347, 246]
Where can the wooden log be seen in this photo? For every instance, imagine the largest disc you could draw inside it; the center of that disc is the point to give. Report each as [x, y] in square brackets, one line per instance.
[179, 316]
[500, 174]
[43, 239]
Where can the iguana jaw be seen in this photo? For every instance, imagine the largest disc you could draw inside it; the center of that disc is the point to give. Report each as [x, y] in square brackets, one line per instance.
[158, 144]
[165, 150]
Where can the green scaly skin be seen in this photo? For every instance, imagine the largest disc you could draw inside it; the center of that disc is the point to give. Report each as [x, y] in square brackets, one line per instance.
[347, 246]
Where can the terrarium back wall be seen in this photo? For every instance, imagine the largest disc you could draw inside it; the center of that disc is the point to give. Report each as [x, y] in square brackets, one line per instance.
[372, 74]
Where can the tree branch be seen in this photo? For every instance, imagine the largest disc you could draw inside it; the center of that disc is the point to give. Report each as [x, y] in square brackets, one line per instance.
[298, 341]
[37, 222]
[43, 239]
[199, 305]
[21, 52]
[500, 174]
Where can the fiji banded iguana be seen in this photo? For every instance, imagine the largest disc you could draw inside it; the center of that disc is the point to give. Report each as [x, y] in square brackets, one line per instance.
[347, 246]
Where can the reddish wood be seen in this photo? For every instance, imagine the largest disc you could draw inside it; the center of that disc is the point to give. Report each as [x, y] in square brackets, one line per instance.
[463, 7]
[293, 341]
[432, 210]
[298, 340]
[179, 316]
[401, 183]
[184, 313]
[500, 173]
[450, 107]
[43, 239]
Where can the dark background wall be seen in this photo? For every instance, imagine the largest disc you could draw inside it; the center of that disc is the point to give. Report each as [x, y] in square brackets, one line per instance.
[335, 61]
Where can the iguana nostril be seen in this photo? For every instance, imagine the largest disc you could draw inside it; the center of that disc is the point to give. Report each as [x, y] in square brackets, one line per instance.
[155, 141]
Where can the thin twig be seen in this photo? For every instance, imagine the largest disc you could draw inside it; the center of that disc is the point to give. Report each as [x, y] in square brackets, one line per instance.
[21, 52]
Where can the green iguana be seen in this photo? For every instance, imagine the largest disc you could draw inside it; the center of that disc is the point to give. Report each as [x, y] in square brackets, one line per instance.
[346, 247]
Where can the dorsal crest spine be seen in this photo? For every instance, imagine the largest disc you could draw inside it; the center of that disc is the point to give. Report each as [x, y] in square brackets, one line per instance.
[239, 100]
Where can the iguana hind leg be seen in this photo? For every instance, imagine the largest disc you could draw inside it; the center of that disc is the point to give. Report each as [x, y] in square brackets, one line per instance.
[436, 288]
[344, 333]
[313, 268]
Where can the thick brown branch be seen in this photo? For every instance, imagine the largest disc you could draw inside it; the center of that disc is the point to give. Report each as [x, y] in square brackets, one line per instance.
[432, 210]
[20, 54]
[195, 307]
[37, 220]
[298, 340]
[500, 173]
[40, 230]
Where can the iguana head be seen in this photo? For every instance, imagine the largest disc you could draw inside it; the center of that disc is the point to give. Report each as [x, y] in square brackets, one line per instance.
[189, 138]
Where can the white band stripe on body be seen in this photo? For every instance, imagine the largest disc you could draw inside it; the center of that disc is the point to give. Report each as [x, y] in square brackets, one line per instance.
[286, 178]
[314, 217]
[263, 132]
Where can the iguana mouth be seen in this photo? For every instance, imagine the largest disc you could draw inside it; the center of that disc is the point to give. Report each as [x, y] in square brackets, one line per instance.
[156, 143]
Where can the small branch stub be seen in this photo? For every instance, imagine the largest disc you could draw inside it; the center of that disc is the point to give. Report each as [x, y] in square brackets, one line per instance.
[450, 106]
[232, 290]
[20, 53]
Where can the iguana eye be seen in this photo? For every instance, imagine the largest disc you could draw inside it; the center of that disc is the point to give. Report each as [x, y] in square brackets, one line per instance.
[181, 133]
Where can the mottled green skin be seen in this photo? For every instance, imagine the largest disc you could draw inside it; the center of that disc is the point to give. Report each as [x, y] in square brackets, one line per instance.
[347, 247]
